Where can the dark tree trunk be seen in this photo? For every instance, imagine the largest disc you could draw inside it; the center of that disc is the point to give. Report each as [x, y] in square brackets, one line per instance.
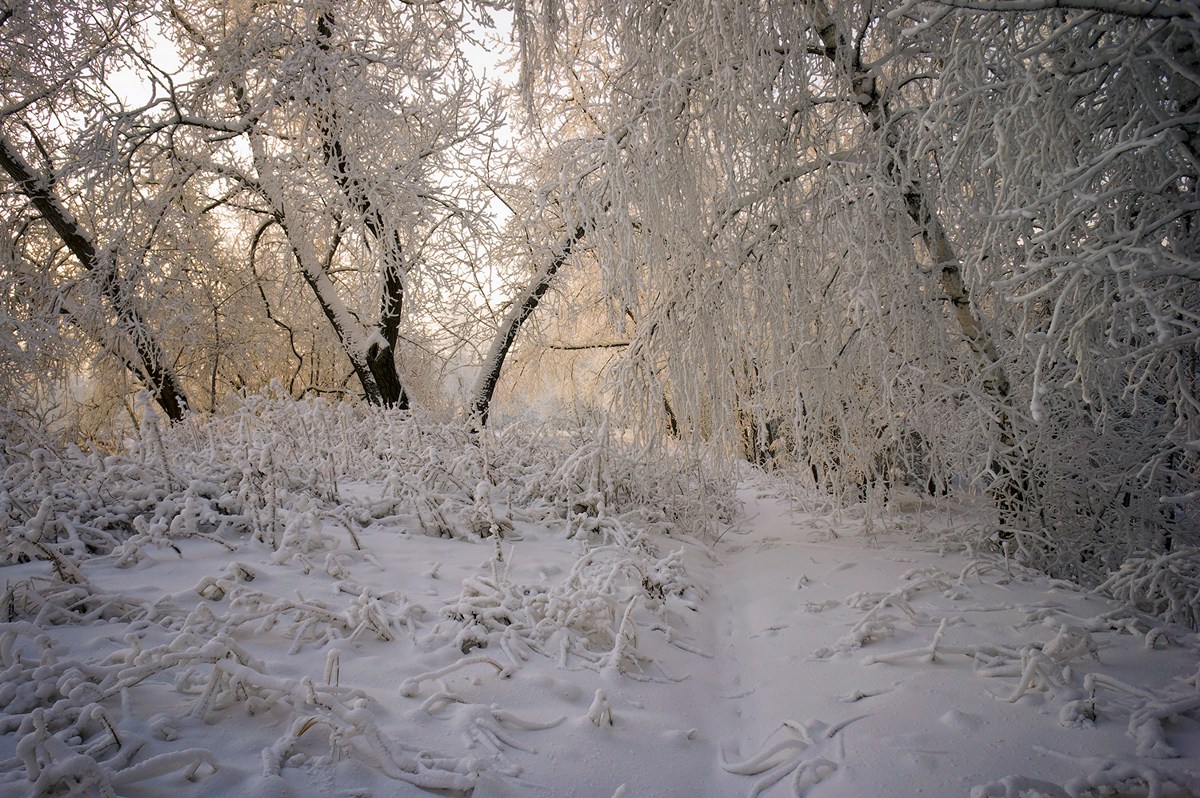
[147, 358]
[489, 375]
[381, 359]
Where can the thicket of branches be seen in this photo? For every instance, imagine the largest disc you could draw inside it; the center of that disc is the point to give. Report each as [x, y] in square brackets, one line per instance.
[944, 246]
[281, 491]
[939, 248]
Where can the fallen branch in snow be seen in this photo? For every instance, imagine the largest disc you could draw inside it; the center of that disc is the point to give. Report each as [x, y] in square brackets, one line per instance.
[874, 625]
[1038, 673]
[412, 686]
[71, 757]
[802, 755]
[927, 654]
[1146, 725]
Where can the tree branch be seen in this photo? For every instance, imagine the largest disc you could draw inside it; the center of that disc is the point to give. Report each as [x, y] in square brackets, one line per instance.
[1139, 9]
[150, 363]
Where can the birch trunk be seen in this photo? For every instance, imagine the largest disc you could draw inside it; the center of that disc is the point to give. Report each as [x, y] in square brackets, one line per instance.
[1011, 496]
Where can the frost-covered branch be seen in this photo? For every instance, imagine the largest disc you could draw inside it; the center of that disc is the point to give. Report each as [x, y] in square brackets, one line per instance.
[147, 357]
[1139, 9]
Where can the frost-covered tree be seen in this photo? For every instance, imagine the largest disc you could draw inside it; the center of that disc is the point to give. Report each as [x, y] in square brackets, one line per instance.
[913, 243]
[341, 134]
[74, 276]
[1083, 221]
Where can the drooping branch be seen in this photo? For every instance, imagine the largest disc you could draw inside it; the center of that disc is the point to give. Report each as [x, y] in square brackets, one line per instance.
[147, 359]
[1012, 495]
[521, 310]
[584, 347]
[1137, 9]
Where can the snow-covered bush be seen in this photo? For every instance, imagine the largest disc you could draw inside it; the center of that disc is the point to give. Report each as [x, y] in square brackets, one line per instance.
[223, 477]
[292, 487]
[588, 617]
[1165, 585]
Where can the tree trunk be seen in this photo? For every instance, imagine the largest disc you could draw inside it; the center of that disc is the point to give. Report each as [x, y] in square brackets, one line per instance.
[147, 358]
[381, 357]
[489, 373]
[344, 325]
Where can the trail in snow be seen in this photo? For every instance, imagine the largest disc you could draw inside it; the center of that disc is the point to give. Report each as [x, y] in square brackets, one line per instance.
[821, 678]
[793, 656]
[879, 667]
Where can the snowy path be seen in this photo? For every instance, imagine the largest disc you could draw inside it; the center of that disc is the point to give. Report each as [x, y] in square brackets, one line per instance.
[792, 616]
[792, 656]
[800, 623]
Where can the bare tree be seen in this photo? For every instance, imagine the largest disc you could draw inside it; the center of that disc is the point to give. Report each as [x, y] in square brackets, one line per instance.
[58, 58]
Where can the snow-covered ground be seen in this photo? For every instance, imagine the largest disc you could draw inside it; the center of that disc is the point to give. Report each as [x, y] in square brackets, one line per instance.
[794, 652]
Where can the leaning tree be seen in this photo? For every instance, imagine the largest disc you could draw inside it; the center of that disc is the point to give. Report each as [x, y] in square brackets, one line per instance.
[78, 277]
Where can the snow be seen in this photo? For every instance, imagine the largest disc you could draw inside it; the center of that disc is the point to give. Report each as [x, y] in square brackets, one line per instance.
[796, 651]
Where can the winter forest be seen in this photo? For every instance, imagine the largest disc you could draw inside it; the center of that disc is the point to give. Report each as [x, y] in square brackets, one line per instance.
[600, 398]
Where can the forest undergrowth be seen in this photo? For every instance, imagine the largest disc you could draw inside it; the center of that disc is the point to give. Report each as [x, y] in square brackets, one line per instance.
[299, 482]
[312, 509]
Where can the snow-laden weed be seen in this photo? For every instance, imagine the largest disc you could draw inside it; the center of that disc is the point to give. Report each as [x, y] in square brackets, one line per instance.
[589, 618]
[1105, 780]
[224, 476]
[1165, 585]
[291, 490]
[1065, 668]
